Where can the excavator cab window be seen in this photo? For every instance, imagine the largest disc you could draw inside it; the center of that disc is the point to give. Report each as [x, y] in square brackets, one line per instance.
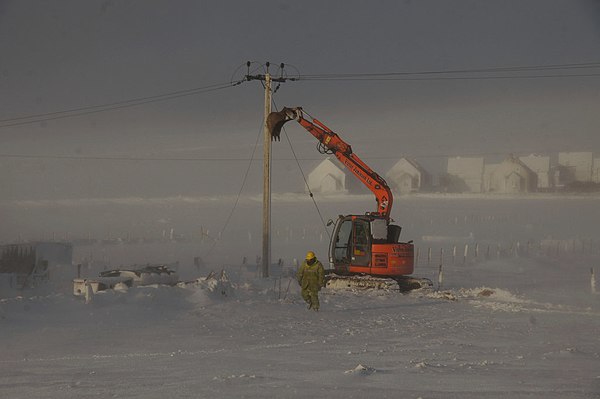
[361, 239]
[342, 247]
[352, 242]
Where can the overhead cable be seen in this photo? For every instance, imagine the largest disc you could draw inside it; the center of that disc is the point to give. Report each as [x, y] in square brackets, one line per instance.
[459, 73]
[587, 69]
[74, 112]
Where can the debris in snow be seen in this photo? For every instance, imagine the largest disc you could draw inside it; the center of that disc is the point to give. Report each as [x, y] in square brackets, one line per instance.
[420, 365]
[476, 294]
[447, 295]
[486, 292]
[233, 376]
[121, 287]
[121, 279]
[219, 285]
[362, 370]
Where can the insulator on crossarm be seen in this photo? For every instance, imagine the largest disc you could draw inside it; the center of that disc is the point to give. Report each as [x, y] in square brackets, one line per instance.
[281, 66]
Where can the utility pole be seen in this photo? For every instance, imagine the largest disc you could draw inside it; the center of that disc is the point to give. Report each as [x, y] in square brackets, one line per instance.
[266, 233]
[266, 220]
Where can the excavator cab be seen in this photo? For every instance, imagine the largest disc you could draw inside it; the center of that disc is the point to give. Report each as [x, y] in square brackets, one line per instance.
[350, 244]
[368, 244]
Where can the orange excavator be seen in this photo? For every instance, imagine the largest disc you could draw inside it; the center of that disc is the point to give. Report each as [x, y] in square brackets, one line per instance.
[365, 251]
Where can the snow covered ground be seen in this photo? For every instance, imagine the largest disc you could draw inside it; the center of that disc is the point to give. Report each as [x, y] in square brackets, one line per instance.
[515, 325]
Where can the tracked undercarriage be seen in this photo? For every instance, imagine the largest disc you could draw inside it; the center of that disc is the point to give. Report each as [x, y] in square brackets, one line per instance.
[365, 282]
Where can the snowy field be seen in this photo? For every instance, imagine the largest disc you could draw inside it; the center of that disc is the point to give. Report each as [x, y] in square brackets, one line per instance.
[505, 323]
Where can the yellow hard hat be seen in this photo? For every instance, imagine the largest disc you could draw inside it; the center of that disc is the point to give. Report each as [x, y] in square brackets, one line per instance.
[310, 255]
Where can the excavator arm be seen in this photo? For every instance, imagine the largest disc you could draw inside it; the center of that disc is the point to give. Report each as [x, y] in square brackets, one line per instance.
[331, 143]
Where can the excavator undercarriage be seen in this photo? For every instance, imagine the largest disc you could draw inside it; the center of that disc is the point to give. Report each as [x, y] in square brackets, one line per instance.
[365, 282]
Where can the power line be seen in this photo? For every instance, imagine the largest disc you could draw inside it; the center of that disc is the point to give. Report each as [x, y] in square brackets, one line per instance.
[427, 75]
[498, 77]
[74, 112]
[239, 194]
[253, 159]
[117, 158]
[432, 75]
[366, 79]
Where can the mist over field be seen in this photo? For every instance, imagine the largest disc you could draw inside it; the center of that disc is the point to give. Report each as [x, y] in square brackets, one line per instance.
[227, 228]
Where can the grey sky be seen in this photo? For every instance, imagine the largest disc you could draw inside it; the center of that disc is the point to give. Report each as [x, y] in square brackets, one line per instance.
[69, 54]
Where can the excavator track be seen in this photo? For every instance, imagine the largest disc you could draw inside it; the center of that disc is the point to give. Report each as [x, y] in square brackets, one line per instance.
[365, 282]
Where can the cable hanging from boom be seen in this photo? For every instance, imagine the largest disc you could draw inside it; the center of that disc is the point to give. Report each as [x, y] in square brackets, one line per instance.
[305, 181]
[239, 194]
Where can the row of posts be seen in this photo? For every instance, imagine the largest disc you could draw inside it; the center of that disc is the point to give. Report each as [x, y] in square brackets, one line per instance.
[440, 277]
[554, 248]
[456, 253]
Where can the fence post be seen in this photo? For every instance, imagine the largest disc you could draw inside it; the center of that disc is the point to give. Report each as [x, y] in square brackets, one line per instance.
[454, 255]
[89, 293]
[466, 253]
[441, 255]
[417, 257]
[428, 256]
[279, 297]
[593, 281]
[440, 277]
[477, 251]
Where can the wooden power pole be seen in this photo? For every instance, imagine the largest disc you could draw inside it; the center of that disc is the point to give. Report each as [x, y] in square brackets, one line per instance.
[266, 220]
[266, 234]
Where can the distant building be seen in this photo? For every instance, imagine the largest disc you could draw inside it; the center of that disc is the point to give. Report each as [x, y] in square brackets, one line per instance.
[28, 263]
[596, 171]
[408, 176]
[575, 166]
[468, 172]
[488, 168]
[327, 177]
[540, 165]
[511, 176]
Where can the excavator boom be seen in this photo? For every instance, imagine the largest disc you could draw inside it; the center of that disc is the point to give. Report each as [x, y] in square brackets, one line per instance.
[331, 143]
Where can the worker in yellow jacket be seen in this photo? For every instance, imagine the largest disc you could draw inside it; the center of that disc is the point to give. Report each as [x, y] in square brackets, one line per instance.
[311, 277]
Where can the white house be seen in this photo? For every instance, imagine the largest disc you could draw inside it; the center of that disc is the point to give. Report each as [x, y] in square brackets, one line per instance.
[407, 176]
[540, 165]
[576, 166]
[327, 177]
[488, 168]
[469, 171]
[511, 176]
